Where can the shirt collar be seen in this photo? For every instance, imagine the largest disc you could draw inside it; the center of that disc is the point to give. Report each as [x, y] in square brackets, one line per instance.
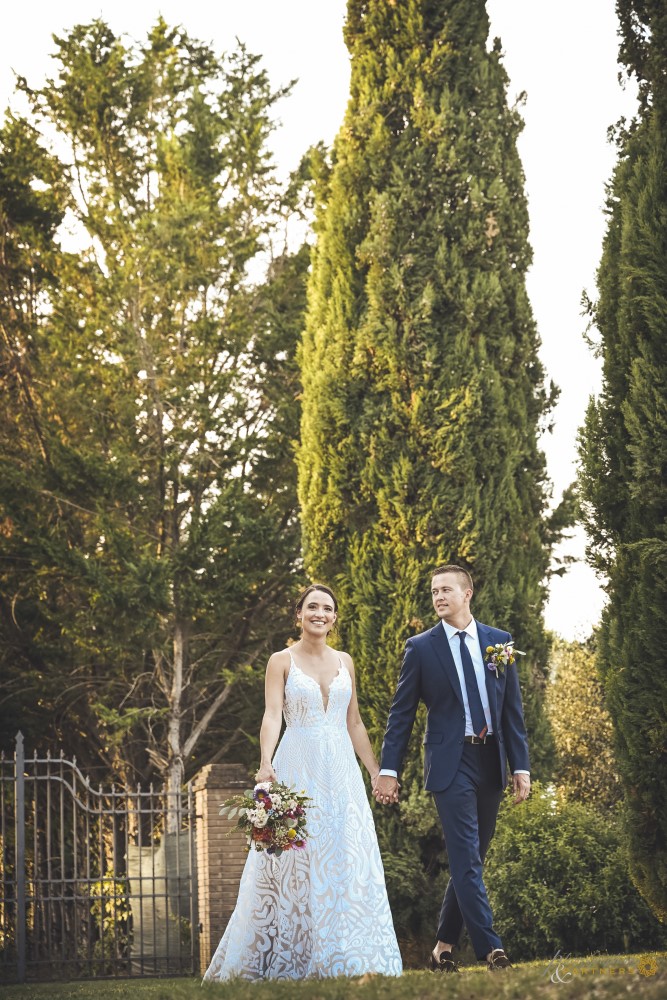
[451, 630]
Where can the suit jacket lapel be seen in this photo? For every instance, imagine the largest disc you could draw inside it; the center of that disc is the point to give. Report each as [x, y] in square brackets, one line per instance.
[444, 654]
[490, 679]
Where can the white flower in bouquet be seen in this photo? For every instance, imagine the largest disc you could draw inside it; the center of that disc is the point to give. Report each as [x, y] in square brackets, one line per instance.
[262, 818]
[259, 818]
[271, 815]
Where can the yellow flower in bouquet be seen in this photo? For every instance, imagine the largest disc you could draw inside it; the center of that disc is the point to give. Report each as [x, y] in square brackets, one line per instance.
[271, 815]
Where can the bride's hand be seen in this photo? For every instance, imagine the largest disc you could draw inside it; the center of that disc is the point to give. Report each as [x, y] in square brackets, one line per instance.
[265, 773]
[385, 789]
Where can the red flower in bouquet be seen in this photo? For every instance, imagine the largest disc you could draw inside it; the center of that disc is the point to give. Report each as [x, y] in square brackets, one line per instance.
[271, 815]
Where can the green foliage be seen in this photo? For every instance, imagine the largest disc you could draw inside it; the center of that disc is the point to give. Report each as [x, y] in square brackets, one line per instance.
[111, 913]
[623, 455]
[416, 874]
[33, 202]
[423, 392]
[149, 401]
[557, 877]
[585, 769]
[644, 45]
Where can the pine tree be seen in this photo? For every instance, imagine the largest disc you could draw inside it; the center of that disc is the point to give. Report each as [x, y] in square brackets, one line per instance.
[33, 201]
[423, 393]
[624, 452]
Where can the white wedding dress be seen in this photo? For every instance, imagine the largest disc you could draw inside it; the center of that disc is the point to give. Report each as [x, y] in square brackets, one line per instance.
[321, 911]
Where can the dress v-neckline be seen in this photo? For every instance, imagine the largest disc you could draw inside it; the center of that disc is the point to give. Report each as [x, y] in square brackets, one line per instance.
[325, 707]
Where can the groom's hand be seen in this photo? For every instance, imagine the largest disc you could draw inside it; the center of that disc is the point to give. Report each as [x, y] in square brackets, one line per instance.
[521, 787]
[385, 789]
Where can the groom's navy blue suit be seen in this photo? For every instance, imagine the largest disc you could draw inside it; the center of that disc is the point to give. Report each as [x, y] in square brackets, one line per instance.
[466, 780]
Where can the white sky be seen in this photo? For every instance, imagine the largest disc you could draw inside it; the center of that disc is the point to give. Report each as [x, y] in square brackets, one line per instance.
[563, 55]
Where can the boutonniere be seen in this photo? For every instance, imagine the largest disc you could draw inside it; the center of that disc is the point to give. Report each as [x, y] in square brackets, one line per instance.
[498, 656]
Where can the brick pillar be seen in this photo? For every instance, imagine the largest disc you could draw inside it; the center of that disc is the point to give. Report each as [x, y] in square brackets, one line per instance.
[220, 858]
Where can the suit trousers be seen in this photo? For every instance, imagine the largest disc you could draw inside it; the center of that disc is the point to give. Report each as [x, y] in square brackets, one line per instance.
[468, 809]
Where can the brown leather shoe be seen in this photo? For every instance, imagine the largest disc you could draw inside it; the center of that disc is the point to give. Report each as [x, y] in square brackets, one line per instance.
[498, 960]
[445, 964]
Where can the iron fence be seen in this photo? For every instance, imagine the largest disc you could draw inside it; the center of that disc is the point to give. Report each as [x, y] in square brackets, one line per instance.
[95, 882]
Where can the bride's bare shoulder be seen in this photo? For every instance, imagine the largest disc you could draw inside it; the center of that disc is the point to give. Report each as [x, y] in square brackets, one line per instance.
[279, 662]
[347, 659]
[280, 656]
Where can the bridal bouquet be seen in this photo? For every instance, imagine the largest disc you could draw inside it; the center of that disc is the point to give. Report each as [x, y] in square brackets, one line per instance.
[271, 815]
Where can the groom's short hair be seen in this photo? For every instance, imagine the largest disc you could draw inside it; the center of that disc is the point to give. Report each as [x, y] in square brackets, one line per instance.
[459, 570]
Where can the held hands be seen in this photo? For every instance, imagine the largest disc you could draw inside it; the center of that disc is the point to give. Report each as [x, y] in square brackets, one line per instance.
[521, 787]
[385, 788]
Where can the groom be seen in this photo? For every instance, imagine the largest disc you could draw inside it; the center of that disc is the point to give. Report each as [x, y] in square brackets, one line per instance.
[474, 722]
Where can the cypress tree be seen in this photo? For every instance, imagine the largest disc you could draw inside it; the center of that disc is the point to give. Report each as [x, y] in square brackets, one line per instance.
[422, 388]
[623, 449]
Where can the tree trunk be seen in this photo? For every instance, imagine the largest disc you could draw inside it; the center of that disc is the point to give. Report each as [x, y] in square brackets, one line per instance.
[175, 766]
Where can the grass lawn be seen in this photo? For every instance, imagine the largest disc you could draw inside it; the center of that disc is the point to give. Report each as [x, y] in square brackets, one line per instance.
[642, 976]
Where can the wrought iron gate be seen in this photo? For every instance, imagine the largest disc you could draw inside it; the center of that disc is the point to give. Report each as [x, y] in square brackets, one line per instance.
[95, 883]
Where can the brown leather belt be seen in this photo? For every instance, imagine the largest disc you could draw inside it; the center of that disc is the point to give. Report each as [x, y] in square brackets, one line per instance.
[479, 739]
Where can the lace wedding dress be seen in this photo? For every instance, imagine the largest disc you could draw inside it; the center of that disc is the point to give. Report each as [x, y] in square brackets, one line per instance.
[321, 911]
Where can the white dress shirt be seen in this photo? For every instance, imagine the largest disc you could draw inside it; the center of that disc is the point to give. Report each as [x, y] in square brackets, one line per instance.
[475, 650]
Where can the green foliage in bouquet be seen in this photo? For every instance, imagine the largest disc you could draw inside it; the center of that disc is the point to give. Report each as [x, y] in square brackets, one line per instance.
[271, 815]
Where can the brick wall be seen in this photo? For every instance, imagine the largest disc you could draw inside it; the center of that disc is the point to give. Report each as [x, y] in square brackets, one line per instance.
[220, 858]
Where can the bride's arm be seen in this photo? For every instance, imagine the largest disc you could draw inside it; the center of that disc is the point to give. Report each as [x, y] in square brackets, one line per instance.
[357, 729]
[274, 694]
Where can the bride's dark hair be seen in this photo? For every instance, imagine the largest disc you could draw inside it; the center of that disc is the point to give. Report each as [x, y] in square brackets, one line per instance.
[309, 590]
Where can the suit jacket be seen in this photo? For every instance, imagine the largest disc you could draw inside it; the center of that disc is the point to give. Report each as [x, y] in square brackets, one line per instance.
[429, 674]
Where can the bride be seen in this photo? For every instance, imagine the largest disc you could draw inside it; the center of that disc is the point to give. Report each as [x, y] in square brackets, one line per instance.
[322, 911]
